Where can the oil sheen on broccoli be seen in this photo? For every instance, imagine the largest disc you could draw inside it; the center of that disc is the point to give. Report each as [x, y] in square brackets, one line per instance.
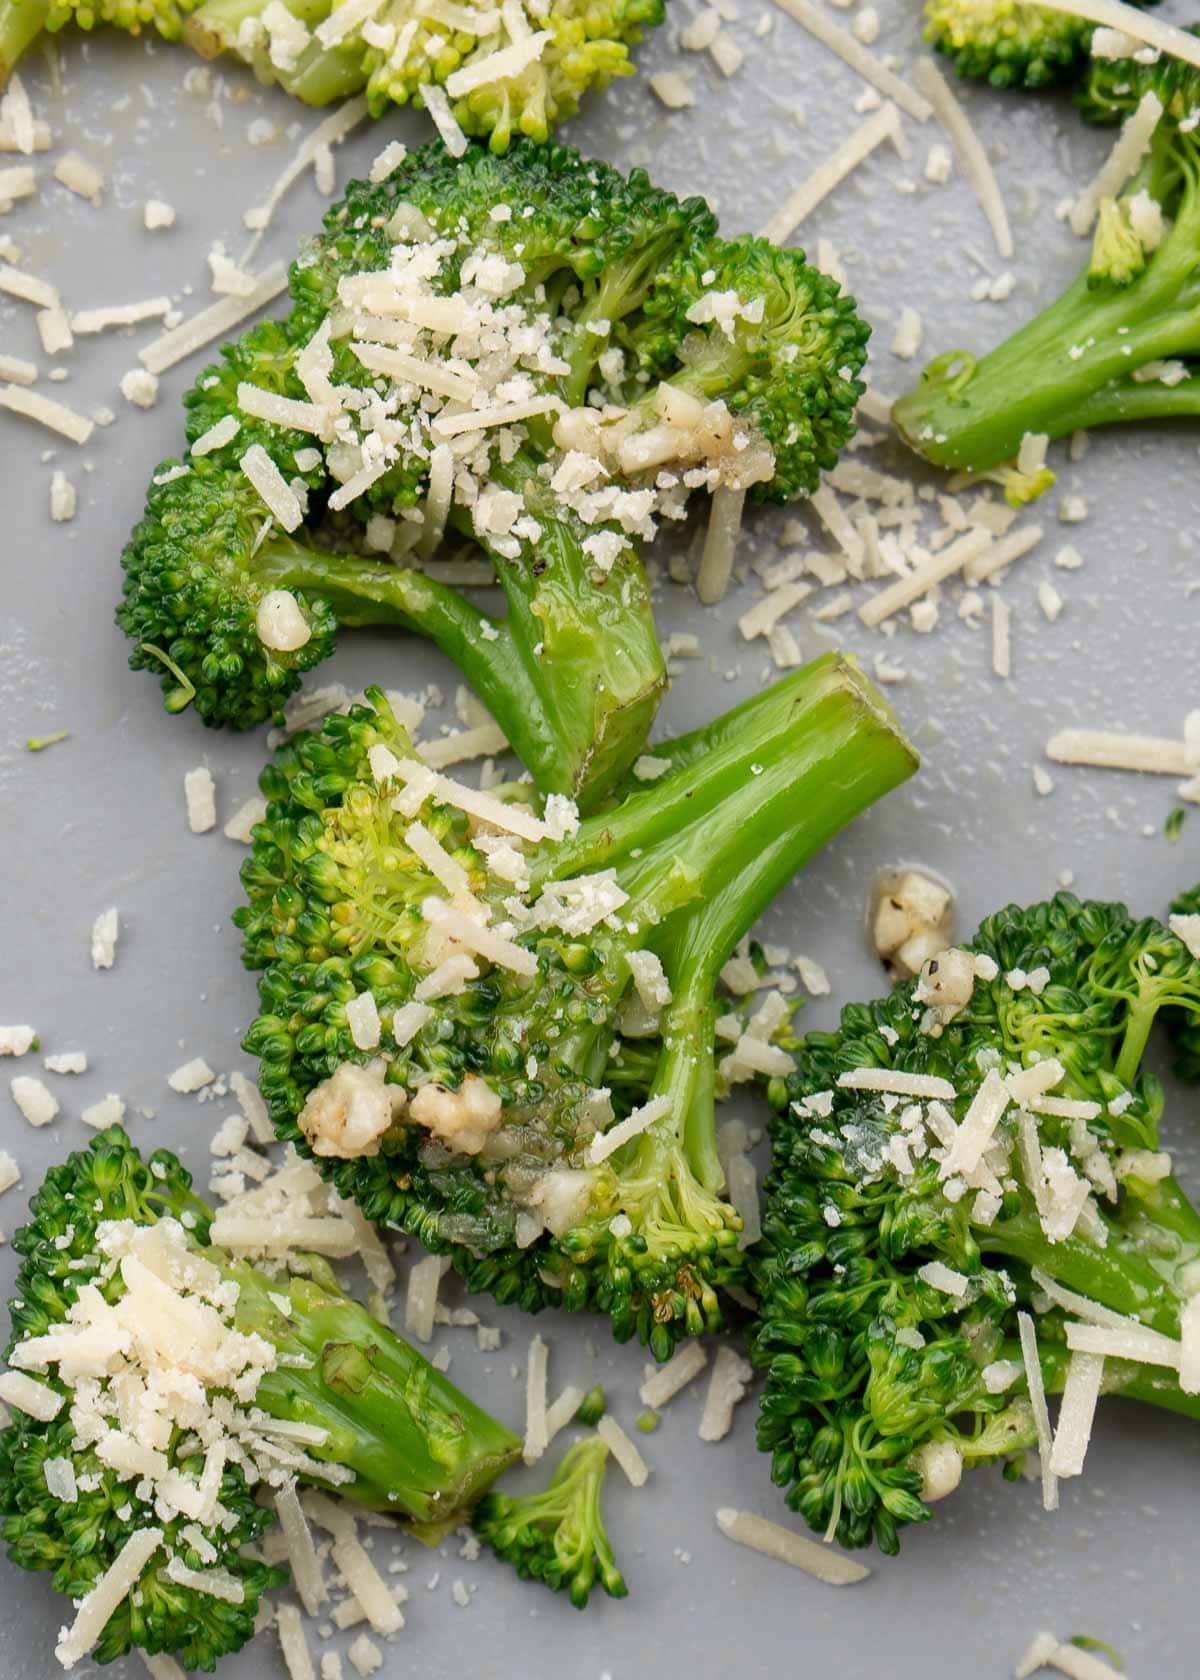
[1118, 344]
[516, 70]
[901, 1240]
[506, 954]
[620, 355]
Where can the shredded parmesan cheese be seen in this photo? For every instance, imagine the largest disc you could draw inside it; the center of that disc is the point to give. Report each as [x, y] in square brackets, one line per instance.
[55, 416]
[1106, 750]
[968, 148]
[115, 1585]
[1131, 146]
[1041, 1413]
[682, 1368]
[536, 1435]
[217, 321]
[882, 125]
[897, 1082]
[623, 1450]
[786, 1546]
[852, 52]
[104, 938]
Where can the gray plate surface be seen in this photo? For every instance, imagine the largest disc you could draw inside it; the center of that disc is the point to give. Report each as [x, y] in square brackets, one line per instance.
[100, 820]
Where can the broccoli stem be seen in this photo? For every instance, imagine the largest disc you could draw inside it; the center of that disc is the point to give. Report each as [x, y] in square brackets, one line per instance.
[973, 414]
[587, 640]
[1130, 1277]
[417, 1446]
[21, 22]
[516, 693]
[1152, 1384]
[321, 75]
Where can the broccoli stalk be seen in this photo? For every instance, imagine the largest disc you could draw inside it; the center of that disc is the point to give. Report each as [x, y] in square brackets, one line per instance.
[892, 1268]
[1077, 364]
[339, 903]
[557, 1535]
[319, 75]
[21, 22]
[375, 1420]
[198, 567]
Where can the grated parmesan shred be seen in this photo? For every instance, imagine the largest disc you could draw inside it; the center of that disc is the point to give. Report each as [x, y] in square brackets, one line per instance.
[830, 34]
[217, 321]
[1041, 1413]
[623, 1450]
[684, 1366]
[97, 1607]
[1077, 1413]
[786, 1546]
[727, 1386]
[882, 125]
[972, 158]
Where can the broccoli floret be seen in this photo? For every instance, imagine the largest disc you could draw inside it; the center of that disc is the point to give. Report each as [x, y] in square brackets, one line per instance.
[592, 1407]
[171, 1359]
[717, 365]
[1009, 43]
[558, 1536]
[1117, 344]
[901, 1240]
[583, 47]
[22, 21]
[499, 1066]
[1186, 1032]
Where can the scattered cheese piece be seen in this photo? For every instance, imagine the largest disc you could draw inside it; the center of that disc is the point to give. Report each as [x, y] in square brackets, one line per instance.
[199, 791]
[80, 176]
[36, 1102]
[883, 125]
[217, 321]
[623, 1450]
[191, 1076]
[968, 148]
[785, 1545]
[683, 1367]
[853, 53]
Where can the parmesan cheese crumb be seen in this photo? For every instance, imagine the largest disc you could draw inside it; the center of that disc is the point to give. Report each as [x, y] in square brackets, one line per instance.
[191, 1076]
[62, 497]
[80, 176]
[139, 387]
[109, 1111]
[36, 1102]
[199, 792]
[104, 938]
[156, 214]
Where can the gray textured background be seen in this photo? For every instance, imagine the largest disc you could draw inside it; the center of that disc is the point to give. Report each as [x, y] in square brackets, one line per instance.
[100, 819]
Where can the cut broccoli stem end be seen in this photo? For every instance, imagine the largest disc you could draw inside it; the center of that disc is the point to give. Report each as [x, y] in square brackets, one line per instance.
[418, 1447]
[1067, 369]
[557, 1535]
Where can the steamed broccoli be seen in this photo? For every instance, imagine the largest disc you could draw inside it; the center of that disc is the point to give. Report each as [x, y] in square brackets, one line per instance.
[557, 1535]
[637, 357]
[185, 1379]
[1009, 43]
[518, 71]
[905, 1233]
[22, 21]
[1117, 345]
[1186, 1033]
[447, 984]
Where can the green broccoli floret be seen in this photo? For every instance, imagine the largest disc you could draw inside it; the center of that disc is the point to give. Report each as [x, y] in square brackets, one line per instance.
[1117, 344]
[557, 1536]
[185, 1379]
[640, 356]
[23, 21]
[904, 1235]
[592, 1407]
[552, 56]
[1009, 43]
[1186, 1032]
[482, 1137]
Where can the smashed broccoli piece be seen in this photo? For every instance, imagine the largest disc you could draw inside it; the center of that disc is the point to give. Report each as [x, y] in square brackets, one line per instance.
[1185, 1031]
[1117, 345]
[642, 357]
[901, 1241]
[557, 1536]
[116, 1258]
[471, 1121]
[23, 21]
[552, 56]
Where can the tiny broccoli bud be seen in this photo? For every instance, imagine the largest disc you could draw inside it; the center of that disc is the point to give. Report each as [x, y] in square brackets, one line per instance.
[592, 1407]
